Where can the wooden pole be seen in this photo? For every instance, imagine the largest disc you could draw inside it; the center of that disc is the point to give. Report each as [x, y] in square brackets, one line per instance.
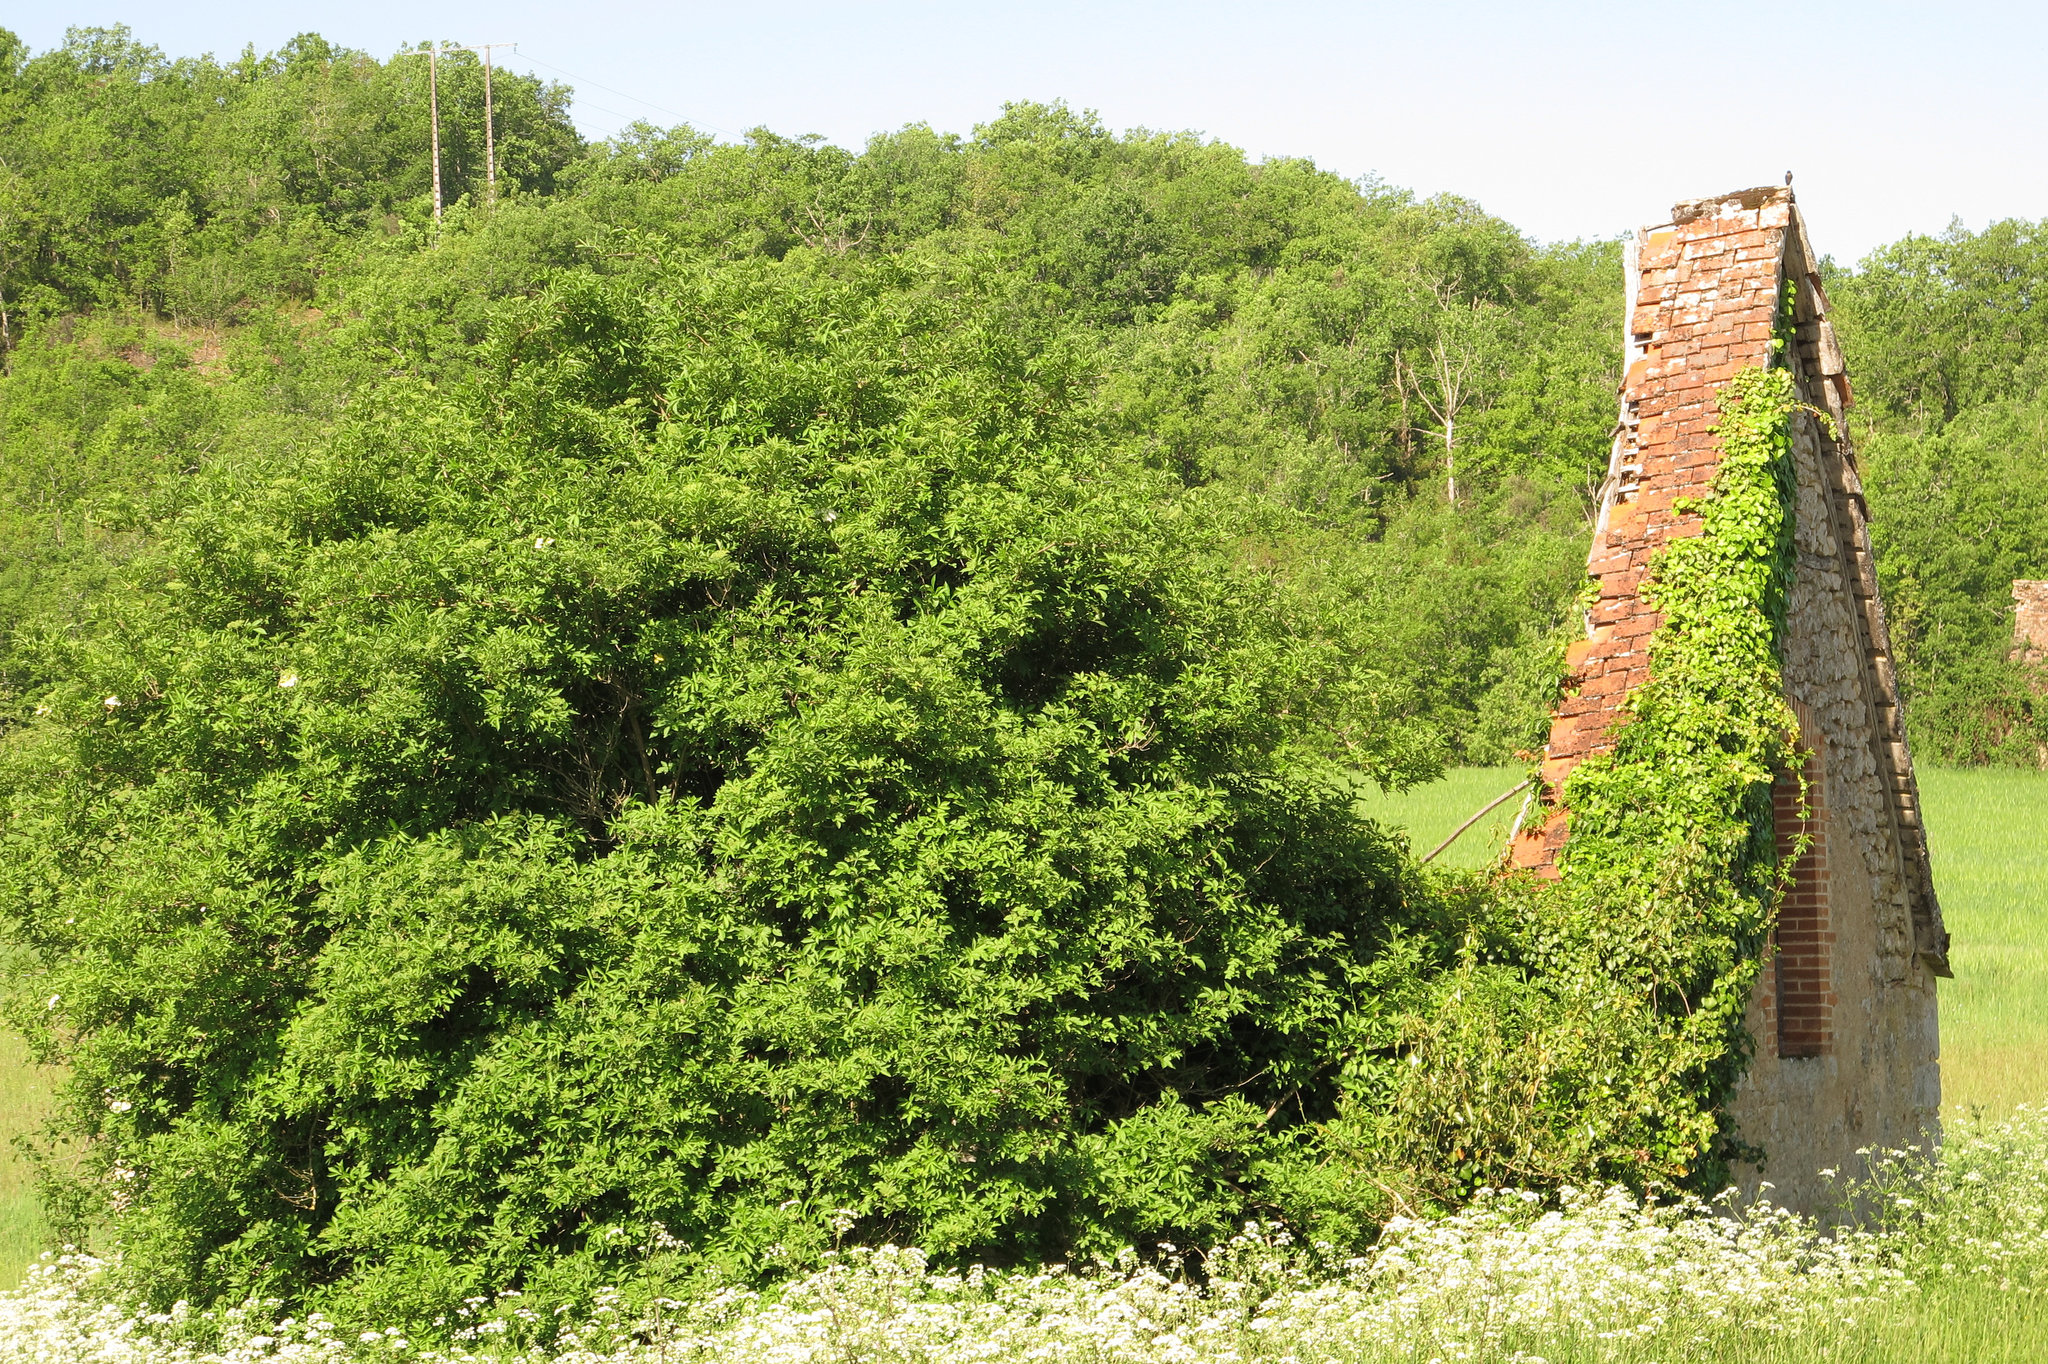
[490, 120]
[490, 135]
[1483, 810]
[434, 119]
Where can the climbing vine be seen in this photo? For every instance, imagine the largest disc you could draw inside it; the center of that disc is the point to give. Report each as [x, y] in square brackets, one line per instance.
[1672, 828]
[1597, 1024]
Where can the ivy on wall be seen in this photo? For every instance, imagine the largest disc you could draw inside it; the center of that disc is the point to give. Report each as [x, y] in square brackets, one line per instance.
[1596, 1023]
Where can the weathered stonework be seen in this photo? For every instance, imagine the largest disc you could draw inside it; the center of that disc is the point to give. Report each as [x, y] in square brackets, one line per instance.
[1844, 1014]
[2029, 622]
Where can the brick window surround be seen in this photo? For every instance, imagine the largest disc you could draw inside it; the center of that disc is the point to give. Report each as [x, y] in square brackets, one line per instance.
[1802, 966]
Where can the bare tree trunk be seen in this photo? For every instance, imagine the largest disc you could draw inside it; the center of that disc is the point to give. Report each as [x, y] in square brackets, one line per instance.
[1450, 459]
[1450, 390]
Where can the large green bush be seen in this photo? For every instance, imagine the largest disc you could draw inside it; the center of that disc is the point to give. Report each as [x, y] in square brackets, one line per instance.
[753, 754]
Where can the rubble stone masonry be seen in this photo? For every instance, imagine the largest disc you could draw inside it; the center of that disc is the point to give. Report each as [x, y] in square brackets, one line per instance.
[2029, 622]
[1844, 1013]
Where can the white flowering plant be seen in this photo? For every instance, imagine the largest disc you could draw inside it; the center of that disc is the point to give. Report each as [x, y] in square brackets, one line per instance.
[1977, 1207]
[1514, 1276]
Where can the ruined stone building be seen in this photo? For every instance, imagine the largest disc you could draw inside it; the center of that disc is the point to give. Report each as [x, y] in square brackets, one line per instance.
[1844, 1013]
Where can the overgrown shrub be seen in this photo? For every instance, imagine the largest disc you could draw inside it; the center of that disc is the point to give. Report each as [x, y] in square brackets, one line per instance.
[717, 770]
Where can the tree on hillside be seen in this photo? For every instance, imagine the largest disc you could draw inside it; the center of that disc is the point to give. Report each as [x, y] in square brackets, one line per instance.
[1447, 370]
[191, 187]
[1939, 325]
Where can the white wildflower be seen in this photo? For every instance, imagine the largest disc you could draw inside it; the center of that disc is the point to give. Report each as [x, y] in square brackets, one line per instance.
[1508, 1277]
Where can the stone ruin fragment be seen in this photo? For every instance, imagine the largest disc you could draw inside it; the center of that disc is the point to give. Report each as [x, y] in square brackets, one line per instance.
[2029, 622]
[1844, 1018]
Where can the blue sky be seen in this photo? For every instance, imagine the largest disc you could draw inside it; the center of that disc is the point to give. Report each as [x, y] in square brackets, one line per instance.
[1568, 119]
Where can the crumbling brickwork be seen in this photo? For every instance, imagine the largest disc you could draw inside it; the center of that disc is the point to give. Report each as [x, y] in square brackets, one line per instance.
[1844, 1014]
[1703, 294]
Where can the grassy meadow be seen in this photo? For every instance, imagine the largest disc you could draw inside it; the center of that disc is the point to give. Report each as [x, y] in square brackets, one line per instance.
[1429, 813]
[1989, 829]
[25, 1090]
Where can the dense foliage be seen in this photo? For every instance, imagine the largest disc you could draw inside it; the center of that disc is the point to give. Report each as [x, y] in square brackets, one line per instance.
[747, 685]
[1948, 344]
[1268, 329]
[800, 771]
[757, 689]
[190, 188]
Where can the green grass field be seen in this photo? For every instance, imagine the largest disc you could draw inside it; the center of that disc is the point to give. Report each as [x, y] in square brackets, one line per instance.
[25, 1090]
[1429, 813]
[1989, 830]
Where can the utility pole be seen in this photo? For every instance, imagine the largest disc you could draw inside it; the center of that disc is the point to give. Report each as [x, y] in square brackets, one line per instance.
[434, 118]
[490, 123]
[433, 56]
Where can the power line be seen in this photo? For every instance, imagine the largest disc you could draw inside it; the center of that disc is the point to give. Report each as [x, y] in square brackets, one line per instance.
[584, 80]
[624, 119]
[433, 56]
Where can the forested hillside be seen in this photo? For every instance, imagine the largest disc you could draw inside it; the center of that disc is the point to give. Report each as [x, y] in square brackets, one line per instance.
[194, 251]
[743, 686]
[1948, 345]
[1341, 352]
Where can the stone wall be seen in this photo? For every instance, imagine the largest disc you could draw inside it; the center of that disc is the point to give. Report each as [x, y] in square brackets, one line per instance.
[1863, 1070]
[2029, 621]
[1844, 1013]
